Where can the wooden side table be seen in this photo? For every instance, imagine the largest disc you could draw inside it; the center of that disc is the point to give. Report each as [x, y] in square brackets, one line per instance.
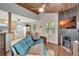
[44, 39]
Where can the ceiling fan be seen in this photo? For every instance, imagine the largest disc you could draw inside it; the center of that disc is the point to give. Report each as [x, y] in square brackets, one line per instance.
[40, 9]
[46, 6]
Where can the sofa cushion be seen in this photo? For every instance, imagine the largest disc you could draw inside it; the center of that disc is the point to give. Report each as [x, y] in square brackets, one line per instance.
[29, 41]
[13, 51]
[22, 47]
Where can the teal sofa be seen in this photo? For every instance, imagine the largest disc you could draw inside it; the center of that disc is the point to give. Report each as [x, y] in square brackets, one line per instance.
[22, 47]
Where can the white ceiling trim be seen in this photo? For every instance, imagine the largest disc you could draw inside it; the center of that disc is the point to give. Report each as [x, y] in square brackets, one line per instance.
[16, 9]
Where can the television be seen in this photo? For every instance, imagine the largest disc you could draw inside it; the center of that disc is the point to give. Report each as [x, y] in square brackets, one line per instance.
[68, 23]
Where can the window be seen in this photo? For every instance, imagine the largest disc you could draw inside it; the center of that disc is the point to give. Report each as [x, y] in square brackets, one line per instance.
[3, 21]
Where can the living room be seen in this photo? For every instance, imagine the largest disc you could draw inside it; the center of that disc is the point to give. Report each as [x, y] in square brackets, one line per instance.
[17, 19]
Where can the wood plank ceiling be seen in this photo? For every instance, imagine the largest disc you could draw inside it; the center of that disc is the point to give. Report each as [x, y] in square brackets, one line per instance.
[49, 7]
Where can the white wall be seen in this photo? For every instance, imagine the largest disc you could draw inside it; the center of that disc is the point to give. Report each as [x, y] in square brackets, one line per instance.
[43, 20]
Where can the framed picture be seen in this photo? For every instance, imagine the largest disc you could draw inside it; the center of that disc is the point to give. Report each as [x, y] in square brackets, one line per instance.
[68, 23]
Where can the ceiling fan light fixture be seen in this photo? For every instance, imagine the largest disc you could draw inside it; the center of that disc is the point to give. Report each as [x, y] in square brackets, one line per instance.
[41, 9]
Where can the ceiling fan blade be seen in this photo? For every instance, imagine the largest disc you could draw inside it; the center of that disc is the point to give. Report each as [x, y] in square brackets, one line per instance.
[44, 5]
[34, 8]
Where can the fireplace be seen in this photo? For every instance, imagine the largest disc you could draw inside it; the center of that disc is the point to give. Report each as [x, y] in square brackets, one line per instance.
[66, 41]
